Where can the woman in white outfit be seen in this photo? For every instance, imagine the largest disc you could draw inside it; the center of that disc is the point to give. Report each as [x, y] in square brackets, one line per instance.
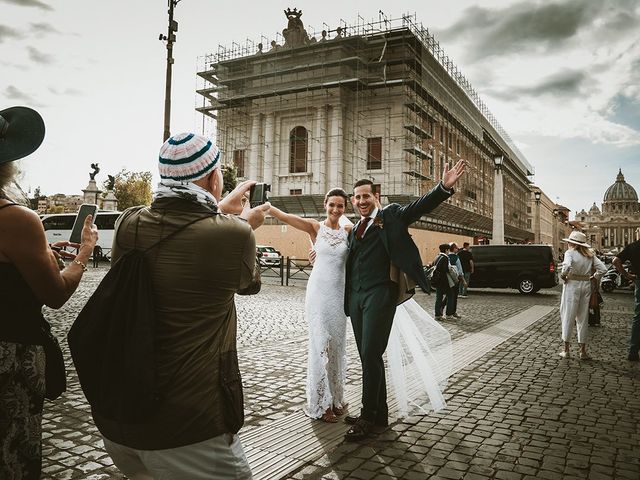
[580, 265]
[324, 307]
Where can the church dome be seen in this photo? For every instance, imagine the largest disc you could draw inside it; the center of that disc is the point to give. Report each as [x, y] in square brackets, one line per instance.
[594, 210]
[620, 191]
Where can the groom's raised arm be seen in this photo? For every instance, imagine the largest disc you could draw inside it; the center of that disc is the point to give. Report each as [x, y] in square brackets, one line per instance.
[443, 190]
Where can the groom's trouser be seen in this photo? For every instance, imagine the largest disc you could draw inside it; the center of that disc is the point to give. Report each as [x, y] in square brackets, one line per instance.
[372, 312]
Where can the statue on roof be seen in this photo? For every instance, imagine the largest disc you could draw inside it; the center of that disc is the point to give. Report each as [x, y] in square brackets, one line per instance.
[295, 35]
[96, 169]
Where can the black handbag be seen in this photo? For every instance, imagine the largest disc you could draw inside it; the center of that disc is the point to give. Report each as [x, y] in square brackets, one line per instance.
[55, 372]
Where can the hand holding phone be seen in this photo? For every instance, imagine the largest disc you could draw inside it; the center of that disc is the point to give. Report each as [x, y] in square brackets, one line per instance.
[259, 194]
[85, 210]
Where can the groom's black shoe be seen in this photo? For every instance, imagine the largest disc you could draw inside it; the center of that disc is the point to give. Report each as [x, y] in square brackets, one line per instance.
[360, 430]
[353, 419]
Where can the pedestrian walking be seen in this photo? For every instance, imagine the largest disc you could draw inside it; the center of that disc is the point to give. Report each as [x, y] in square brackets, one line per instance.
[440, 281]
[466, 260]
[580, 265]
[632, 253]
[457, 277]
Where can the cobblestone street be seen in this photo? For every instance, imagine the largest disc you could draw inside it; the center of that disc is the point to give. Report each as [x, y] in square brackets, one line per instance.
[519, 412]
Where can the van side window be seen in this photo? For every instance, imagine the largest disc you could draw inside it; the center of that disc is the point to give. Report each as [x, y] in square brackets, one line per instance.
[59, 222]
[106, 222]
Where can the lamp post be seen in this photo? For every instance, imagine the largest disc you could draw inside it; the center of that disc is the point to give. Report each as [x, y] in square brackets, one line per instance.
[537, 195]
[170, 38]
[498, 203]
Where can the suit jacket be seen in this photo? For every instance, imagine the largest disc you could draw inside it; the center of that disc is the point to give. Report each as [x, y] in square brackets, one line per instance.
[394, 221]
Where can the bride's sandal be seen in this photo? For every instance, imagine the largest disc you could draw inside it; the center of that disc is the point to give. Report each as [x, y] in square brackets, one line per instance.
[339, 411]
[329, 417]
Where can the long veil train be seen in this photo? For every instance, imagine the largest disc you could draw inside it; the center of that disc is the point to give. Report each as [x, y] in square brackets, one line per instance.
[419, 361]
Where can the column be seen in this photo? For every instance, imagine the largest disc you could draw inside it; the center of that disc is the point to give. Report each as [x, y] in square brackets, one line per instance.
[252, 171]
[498, 209]
[269, 148]
[335, 160]
[317, 185]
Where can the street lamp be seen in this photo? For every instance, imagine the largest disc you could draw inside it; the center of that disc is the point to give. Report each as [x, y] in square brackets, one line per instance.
[170, 38]
[537, 194]
[498, 202]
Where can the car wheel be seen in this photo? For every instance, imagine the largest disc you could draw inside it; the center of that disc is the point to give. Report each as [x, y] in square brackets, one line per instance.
[526, 286]
[607, 287]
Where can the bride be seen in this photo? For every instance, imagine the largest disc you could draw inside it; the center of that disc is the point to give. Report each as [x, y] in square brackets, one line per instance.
[419, 356]
[324, 307]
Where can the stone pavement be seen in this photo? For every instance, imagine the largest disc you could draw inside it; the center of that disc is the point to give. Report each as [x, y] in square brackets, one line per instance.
[519, 412]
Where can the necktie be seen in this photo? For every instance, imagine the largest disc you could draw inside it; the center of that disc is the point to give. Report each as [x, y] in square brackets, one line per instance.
[362, 227]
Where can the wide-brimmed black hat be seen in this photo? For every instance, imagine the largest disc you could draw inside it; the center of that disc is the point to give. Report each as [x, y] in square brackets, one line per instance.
[21, 133]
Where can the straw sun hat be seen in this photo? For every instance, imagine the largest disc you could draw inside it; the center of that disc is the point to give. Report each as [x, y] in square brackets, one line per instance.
[577, 238]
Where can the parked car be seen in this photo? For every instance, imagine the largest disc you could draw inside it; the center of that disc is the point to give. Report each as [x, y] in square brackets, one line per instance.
[267, 256]
[525, 267]
[57, 227]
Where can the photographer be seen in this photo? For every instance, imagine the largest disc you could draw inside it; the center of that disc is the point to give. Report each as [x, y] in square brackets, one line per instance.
[195, 274]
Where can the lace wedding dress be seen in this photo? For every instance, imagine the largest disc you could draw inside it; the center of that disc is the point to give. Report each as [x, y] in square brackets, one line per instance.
[324, 309]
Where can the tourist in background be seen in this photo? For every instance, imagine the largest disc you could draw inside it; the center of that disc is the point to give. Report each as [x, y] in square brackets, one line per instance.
[457, 277]
[632, 253]
[580, 265]
[466, 260]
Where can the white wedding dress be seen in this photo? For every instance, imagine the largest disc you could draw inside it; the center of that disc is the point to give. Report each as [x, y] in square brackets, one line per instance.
[419, 352]
[324, 309]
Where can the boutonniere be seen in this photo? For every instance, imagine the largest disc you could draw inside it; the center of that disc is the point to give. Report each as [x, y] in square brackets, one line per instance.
[378, 222]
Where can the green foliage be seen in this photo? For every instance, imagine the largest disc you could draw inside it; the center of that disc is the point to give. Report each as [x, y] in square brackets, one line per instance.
[132, 188]
[230, 178]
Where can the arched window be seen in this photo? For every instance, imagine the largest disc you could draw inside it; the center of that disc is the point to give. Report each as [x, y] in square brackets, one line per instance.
[298, 139]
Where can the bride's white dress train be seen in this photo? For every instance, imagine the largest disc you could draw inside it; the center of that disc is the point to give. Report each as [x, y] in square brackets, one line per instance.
[419, 361]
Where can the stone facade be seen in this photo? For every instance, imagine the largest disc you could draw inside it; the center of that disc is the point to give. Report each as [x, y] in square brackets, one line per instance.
[618, 223]
[317, 114]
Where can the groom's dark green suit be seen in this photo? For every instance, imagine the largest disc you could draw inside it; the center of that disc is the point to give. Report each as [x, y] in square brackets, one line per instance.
[370, 294]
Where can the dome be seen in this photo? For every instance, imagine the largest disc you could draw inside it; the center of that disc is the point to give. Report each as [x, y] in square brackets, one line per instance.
[594, 210]
[620, 191]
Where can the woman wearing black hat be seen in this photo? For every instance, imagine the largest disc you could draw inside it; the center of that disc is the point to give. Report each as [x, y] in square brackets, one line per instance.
[29, 278]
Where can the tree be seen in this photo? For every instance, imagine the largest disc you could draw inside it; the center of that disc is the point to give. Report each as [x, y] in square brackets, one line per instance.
[230, 178]
[36, 197]
[132, 188]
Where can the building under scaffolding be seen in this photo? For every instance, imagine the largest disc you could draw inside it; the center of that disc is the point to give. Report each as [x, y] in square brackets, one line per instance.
[377, 100]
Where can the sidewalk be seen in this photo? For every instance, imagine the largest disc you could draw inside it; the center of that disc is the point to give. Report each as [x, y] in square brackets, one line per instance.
[517, 411]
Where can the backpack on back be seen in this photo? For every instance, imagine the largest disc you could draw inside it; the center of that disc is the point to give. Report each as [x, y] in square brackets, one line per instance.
[112, 341]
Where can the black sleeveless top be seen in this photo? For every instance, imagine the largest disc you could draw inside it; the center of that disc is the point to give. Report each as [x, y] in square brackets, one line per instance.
[22, 311]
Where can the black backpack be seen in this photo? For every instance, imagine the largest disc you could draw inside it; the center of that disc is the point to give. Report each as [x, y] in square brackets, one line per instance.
[112, 340]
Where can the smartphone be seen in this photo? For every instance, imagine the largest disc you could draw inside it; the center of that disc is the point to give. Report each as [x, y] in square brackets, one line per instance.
[259, 194]
[85, 210]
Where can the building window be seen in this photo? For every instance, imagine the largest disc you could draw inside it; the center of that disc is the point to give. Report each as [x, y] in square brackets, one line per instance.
[295, 191]
[298, 139]
[432, 167]
[374, 153]
[450, 138]
[238, 162]
[529, 223]
[458, 146]
[441, 134]
[376, 188]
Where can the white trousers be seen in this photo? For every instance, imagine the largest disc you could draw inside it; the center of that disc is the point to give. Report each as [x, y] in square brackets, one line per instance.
[219, 458]
[574, 309]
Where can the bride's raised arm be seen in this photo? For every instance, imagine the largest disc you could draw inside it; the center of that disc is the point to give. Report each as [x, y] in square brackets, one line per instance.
[308, 225]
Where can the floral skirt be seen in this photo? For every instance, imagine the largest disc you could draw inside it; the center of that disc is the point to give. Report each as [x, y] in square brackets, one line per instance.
[21, 400]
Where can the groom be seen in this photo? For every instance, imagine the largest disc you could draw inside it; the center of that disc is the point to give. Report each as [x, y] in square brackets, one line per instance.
[383, 266]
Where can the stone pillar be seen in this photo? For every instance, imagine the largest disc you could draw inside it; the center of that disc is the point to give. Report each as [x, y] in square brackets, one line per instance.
[91, 192]
[254, 148]
[498, 209]
[269, 148]
[317, 180]
[335, 161]
[110, 202]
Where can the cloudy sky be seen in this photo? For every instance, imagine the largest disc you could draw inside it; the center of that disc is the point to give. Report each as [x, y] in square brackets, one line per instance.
[562, 77]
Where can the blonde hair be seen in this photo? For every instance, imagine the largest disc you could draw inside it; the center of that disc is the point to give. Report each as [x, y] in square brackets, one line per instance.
[584, 251]
[8, 172]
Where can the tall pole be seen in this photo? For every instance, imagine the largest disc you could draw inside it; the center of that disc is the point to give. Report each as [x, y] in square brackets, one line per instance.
[170, 39]
[498, 204]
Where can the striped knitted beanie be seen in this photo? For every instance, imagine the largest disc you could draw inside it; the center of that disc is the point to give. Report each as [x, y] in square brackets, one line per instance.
[188, 157]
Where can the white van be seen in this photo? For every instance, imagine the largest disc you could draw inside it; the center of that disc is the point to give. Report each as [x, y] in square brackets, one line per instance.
[57, 227]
